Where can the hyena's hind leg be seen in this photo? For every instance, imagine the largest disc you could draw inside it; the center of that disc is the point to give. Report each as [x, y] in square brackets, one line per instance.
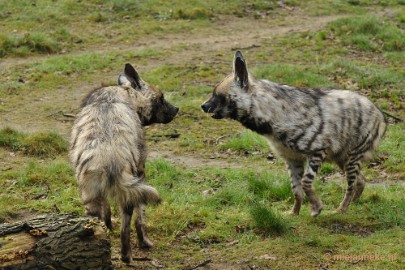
[126, 215]
[106, 214]
[140, 226]
[313, 163]
[360, 184]
[354, 181]
[296, 171]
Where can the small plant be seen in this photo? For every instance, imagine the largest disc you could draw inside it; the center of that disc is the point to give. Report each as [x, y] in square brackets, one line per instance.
[291, 75]
[38, 144]
[268, 220]
[270, 189]
[28, 43]
[45, 145]
[248, 141]
[369, 33]
[12, 139]
[193, 14]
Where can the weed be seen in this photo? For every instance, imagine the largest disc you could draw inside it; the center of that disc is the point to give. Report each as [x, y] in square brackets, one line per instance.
[12, 139]
[39, 144]
[327, 168]
[270, 187]
[34, 42]
[369, 33]
[193, 14]
[268, 221]
[291, 74]
[247, 141]
[45, 145]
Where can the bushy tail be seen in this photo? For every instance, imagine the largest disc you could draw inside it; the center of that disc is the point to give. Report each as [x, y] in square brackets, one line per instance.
[133, 190]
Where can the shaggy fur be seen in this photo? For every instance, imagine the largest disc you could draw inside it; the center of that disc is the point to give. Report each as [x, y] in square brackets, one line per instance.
[304, 126]
[108, 151]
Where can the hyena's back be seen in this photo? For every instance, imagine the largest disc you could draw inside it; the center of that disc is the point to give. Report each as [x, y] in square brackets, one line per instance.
[343, 123]
[107, 146]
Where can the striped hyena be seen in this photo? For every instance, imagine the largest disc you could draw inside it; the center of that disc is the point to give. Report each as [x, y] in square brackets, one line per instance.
[304, 126]
[108, 151]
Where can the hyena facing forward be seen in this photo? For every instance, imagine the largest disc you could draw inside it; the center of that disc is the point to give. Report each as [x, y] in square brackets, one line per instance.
[304, 126]
[108, 151]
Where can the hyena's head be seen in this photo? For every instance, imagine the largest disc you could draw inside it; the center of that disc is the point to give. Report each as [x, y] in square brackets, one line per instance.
[231, 97]
[155, 109]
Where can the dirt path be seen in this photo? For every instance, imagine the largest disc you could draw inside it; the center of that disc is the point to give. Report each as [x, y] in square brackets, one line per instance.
[226, 33]
[32, 111]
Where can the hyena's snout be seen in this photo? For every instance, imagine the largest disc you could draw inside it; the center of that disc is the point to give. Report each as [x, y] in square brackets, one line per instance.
[206, 107]
[213, 106]
[170, 113]
[164, 113]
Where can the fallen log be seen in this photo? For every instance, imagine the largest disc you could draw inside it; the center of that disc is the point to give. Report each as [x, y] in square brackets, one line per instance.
[62, 241]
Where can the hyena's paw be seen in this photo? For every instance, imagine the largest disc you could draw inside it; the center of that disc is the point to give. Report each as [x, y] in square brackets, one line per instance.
[145, 243]
[293, 213]
[316, 208]
[126, 258]
[341, 209]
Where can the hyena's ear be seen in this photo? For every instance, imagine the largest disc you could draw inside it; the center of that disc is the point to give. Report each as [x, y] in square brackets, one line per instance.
[130, 76]
[240, 70]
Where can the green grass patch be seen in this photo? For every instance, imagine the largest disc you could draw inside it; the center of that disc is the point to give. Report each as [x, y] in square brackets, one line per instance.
[40, 144]
[294, 75]
[392, 146]
[12, 139]
[369, 33]
[247, 141]
[39, 187]
[45, 144]
[271, 186]
[29, 43]
[268, 221]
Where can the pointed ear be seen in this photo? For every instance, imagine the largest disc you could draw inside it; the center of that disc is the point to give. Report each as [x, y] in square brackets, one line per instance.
[122, 80]
[240, 70]
[132, 76]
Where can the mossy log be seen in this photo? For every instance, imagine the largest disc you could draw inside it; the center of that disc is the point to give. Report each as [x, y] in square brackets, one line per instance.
[55, 242]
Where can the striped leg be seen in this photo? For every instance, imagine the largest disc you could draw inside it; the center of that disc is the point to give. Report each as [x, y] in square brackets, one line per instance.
[352, 170]
[296, 171]
[313, 164]
[140, 226]
[360, 184]
[126, 212]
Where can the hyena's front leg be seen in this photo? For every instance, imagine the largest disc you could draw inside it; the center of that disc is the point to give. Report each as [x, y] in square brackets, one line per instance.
[313, 164]
[140, 226]
[296, 171]
[352, 170]
[126, 212]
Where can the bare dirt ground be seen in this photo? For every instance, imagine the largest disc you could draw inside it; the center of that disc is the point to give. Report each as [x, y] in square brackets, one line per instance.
[228, 33]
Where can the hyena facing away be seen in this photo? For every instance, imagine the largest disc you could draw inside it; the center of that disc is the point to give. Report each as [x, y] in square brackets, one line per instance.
[304, 126]
[108, 151]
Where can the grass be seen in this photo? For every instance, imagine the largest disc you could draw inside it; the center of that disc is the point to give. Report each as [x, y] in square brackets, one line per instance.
[43, 144]
[268, 220]
[28, 44]
[246, 142]
[369, 33]
[229, 202]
